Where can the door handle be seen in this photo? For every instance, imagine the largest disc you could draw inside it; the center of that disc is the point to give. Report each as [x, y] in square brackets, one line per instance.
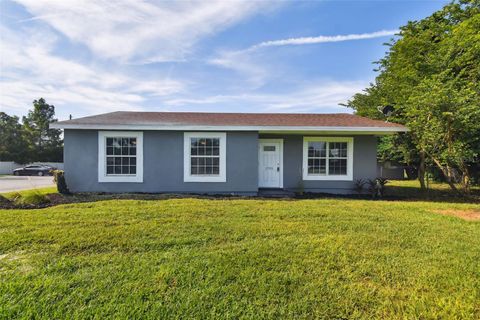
[278, 169]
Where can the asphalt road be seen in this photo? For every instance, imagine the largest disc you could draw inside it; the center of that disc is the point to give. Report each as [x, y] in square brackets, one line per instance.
[13, 183]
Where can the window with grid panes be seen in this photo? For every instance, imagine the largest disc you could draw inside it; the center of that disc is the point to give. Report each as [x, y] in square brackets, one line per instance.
[121, 155]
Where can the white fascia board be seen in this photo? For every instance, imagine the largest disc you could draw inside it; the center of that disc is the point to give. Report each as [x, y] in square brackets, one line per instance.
[262, 129]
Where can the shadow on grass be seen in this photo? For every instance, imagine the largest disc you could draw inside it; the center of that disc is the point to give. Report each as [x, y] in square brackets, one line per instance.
[411, 193]
[393, 193]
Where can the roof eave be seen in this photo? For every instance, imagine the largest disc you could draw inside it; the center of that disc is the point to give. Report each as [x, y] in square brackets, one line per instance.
[262, 129]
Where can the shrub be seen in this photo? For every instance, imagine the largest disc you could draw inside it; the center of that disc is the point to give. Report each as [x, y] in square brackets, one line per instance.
[376, 187]
[32, 198]
[359, 185]
[4, 202]
[59, 178]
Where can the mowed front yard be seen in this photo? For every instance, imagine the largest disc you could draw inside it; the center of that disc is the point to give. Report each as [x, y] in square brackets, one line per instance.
[243, 258]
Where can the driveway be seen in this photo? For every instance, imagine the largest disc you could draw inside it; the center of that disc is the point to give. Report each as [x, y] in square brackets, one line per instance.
[12, 183]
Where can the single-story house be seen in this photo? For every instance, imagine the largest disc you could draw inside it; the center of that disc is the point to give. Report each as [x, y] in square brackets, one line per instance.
[220, 153]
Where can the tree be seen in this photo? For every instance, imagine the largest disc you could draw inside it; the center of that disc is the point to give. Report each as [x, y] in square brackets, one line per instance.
[45, 143]
[431, 74]
[13, 143]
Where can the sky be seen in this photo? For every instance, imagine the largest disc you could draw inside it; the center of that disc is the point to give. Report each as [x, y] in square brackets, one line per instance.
[94, 56]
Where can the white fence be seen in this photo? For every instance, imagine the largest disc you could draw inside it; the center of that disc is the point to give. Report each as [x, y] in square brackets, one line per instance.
[7, 167]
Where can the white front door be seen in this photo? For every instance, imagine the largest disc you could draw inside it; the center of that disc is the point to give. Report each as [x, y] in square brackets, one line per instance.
[270, 163]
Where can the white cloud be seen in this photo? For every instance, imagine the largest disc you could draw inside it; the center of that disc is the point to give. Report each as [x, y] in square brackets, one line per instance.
[243, 64]
[245, 61]
[139, 30]
[324, 39]
[31, 69]
[323, 96]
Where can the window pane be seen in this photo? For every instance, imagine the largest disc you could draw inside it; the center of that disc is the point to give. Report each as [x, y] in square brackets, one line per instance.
[317, 149]
[117, 150]
[317, 152]
[338, 149]
[194, 170]
[207, 165]
[204, 158]
[337, 166]
[316, 166]
[121, 152]
[269, 148]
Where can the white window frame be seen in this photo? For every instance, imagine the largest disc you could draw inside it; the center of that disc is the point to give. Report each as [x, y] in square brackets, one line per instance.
[187, 176]
[102, 156]
[326, 176]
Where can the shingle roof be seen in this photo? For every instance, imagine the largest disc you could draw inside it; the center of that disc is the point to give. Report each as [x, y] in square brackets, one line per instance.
[198, 119]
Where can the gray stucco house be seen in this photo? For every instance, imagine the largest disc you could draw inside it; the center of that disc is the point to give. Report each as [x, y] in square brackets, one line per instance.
[233, 153]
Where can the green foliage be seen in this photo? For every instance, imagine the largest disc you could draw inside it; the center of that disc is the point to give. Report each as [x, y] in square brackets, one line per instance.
[43, 191]
[376, 187]
[59, 178]
[359, 185]
[29, 198]
[240, 259]
[431, 74]
[4, 200]
[46, 143]
[13, 142]
[33, 140]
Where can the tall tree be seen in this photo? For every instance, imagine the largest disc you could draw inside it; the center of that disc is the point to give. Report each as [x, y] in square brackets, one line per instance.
[431, 74]
[13, 143]
[46, 143]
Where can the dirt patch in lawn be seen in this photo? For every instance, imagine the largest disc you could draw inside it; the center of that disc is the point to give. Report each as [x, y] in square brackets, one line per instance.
[469, 215]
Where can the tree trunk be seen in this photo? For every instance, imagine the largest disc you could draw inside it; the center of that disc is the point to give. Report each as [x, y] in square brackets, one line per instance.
[421, 171]
[447, 173]
[465, 178]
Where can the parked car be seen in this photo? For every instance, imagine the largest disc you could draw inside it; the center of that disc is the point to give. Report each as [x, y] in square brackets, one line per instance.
[34, 170]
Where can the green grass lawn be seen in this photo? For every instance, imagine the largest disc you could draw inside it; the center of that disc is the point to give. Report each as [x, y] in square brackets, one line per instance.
[199, 258]
[43, 191]
[410, 189]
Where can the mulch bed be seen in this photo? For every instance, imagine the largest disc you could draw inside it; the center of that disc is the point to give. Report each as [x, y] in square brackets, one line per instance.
[58, 199]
